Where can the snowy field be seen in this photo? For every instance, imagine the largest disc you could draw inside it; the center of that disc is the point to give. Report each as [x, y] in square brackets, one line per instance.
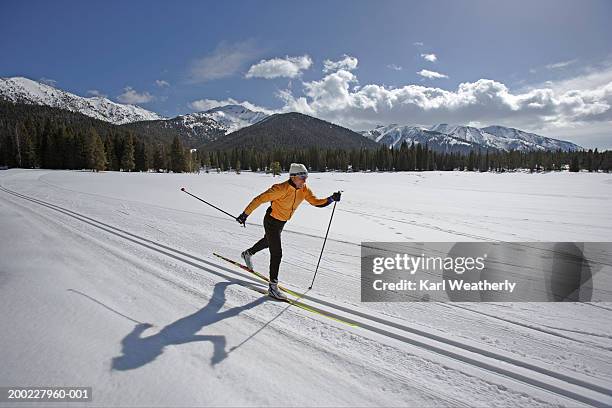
[108, 280]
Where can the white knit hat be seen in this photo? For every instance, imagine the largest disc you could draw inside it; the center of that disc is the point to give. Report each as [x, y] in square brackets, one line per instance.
[297, 169]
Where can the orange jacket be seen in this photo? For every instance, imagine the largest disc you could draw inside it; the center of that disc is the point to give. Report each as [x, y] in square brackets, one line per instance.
[285, 198]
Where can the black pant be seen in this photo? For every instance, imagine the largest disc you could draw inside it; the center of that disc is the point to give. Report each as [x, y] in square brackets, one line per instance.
[272, 240]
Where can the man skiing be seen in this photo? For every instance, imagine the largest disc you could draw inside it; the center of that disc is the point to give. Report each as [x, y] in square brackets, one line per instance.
[285, 198]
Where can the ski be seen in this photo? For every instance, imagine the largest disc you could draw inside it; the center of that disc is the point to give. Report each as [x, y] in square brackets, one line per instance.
[289, 301]
[259, 275]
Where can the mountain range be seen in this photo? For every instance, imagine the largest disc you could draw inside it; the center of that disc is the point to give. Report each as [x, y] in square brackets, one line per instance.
[198, 128]
[194, 128]
[223, 126]
[457, 138]
[24, 90]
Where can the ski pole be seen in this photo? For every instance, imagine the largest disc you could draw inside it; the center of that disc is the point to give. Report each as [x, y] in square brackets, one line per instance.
[324, 241]
[206, 202]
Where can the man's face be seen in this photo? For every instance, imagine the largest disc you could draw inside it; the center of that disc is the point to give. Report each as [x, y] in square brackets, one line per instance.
[299, 181]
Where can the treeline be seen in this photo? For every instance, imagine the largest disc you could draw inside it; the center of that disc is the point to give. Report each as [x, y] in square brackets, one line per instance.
[415, 157]
[34, 136]
[42, 137]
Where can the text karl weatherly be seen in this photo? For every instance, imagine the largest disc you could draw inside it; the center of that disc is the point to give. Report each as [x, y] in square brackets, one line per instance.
[453, 285]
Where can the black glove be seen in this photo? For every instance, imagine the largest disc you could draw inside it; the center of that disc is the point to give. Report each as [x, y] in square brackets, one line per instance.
[242, 218]
[336, 196]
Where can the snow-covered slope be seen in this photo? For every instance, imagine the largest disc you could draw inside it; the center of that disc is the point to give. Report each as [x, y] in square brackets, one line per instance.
[520, 138]
[394, 135]
[445, 137]
[196, 129]
[504, 138]
[377, 133]
[232, 117]
[24, 90]
[108, 280]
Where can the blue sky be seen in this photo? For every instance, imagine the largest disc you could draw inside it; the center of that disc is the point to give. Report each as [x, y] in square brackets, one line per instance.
[542, 66]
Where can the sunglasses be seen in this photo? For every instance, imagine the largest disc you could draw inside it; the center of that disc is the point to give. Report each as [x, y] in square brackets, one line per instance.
[302, 176]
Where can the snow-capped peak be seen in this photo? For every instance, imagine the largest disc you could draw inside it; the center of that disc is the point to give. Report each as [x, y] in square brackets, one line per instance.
[446, 137]
[395, 135]
[230, 109]
[233, 117]
[24, 90]
[504, 138]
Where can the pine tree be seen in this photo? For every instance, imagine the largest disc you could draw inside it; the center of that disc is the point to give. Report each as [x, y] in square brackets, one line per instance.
[141, 157]
[127, 160]
[575, 164]
[178, 163]
[109, 148]
[98, 154]
[29, 153]
[206, 161]
[159, 158]
[87, 159]
[18, 132]
[190, 161]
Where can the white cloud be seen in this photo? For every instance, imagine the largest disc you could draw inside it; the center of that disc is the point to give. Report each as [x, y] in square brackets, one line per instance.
[130, 95]
[591, 77]
[429, 57]
[299, 104]
[226, 60]
[48, 81]
[556, 65]
[347, 63]
[289, 67]
[417, 44]
[558, 106]
[206, 104]
[161, 83]
[431, 74]
[394, 67]
[95, 92]
[562, 64]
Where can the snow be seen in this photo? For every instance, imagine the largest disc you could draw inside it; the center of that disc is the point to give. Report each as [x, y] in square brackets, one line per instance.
[529, 140]
[234, 117]
[394, 135]
[228, 118]
[498, 137]
[108, 280]
[225, 119]
[504, 138]
[24, 90]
